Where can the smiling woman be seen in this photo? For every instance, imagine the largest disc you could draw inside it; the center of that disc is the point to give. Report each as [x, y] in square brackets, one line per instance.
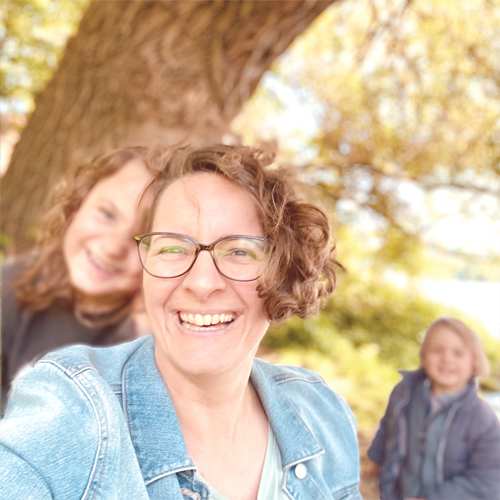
[189, 413]
[79, 284]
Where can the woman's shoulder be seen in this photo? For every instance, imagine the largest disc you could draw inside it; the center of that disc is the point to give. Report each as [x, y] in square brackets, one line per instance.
[11, 269]
[91, 372]
[108, 362]
[306, 390]
[12, 311]
[64, 413]
[309, 417]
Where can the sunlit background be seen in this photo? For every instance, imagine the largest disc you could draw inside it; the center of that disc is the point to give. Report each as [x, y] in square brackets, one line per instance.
[390, 113]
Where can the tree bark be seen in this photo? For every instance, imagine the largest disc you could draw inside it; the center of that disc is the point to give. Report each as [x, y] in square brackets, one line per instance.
[146, 73]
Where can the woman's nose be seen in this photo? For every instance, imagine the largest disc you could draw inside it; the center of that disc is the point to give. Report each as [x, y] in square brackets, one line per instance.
[203, 279]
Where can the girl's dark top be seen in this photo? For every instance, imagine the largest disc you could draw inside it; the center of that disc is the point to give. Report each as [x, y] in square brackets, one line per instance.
[28, 336]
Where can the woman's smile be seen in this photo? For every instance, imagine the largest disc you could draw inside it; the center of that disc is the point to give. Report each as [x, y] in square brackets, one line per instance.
[200, 322]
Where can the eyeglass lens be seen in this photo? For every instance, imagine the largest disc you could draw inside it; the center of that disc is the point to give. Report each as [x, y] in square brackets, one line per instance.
[168, 256]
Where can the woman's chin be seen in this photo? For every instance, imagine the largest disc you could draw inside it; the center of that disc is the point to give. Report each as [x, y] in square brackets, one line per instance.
[199, 359]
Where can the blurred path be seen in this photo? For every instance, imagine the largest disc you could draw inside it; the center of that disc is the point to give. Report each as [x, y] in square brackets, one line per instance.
[368, 487]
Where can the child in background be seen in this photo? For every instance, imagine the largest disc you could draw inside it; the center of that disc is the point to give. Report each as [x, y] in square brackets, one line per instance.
[438, 439]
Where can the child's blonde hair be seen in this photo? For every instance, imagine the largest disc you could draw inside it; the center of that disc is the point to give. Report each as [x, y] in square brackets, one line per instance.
[470, 338]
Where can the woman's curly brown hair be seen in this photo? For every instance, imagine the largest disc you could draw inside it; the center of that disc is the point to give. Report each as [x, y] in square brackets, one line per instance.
[45, 277]
[301, 267]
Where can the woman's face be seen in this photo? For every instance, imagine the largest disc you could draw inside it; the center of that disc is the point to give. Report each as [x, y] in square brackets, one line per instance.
[98, 246]
[447, 361]
[205, 207]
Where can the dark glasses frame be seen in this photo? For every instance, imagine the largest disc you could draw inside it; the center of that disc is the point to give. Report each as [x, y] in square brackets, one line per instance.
[199, 248]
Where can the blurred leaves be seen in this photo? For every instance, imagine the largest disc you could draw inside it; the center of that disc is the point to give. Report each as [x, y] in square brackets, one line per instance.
[406, 102]
[33, 34]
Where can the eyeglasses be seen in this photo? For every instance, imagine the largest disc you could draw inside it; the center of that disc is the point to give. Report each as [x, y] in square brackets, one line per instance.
[170, 255]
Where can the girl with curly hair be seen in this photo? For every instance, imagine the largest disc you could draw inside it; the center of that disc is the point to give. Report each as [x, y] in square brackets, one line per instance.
[81, 281]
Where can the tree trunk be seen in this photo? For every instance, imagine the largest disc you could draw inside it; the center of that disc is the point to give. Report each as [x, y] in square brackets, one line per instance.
[146, 73]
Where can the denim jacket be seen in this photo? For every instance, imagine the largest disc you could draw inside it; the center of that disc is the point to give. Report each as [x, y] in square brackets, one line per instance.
[99, 423]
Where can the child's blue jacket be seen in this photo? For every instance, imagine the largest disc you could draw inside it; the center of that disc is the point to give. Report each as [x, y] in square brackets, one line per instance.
[90, 423]
[468, 458]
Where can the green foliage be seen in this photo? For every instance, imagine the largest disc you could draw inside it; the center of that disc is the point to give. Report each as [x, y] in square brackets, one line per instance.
[366, 312]
[396, 108]
[442, 266]
[406, 100]
[33, 34]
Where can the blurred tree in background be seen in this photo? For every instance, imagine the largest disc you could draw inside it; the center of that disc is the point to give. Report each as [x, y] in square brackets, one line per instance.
[390, 109]
[138, 72]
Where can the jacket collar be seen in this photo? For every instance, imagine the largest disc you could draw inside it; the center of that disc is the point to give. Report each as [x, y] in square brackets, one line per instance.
[154, 428]
[295, 439]
[156, 433]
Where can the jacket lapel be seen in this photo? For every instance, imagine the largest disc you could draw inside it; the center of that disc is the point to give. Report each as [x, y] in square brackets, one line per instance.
[153, 424]
[295, 440]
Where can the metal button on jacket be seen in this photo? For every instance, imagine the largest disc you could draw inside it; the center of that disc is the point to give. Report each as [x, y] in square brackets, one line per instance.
[300, 471]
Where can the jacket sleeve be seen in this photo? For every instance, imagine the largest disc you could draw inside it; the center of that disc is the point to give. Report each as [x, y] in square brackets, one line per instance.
[376, 452]
[48, 444]
[25, 483]
[481, 477]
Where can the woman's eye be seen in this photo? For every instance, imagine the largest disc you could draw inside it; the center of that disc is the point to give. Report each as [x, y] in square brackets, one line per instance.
[170, 250]
[239, 252]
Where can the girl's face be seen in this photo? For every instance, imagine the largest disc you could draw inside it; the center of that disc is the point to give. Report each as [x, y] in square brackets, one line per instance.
[98, 246]
[205, 207]
[447, 361]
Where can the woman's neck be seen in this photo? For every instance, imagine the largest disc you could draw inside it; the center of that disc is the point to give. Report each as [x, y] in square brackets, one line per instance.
[212, 406]
[225, 428]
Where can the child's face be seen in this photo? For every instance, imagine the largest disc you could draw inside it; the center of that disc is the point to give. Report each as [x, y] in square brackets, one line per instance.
[447, 361]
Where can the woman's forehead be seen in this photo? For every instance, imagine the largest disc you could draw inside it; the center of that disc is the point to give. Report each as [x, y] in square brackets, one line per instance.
[205, 198]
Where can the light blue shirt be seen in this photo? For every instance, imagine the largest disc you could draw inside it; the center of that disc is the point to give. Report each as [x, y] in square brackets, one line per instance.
[99, 423]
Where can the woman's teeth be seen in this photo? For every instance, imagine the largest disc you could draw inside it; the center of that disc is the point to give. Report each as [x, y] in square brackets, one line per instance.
[205, 319]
